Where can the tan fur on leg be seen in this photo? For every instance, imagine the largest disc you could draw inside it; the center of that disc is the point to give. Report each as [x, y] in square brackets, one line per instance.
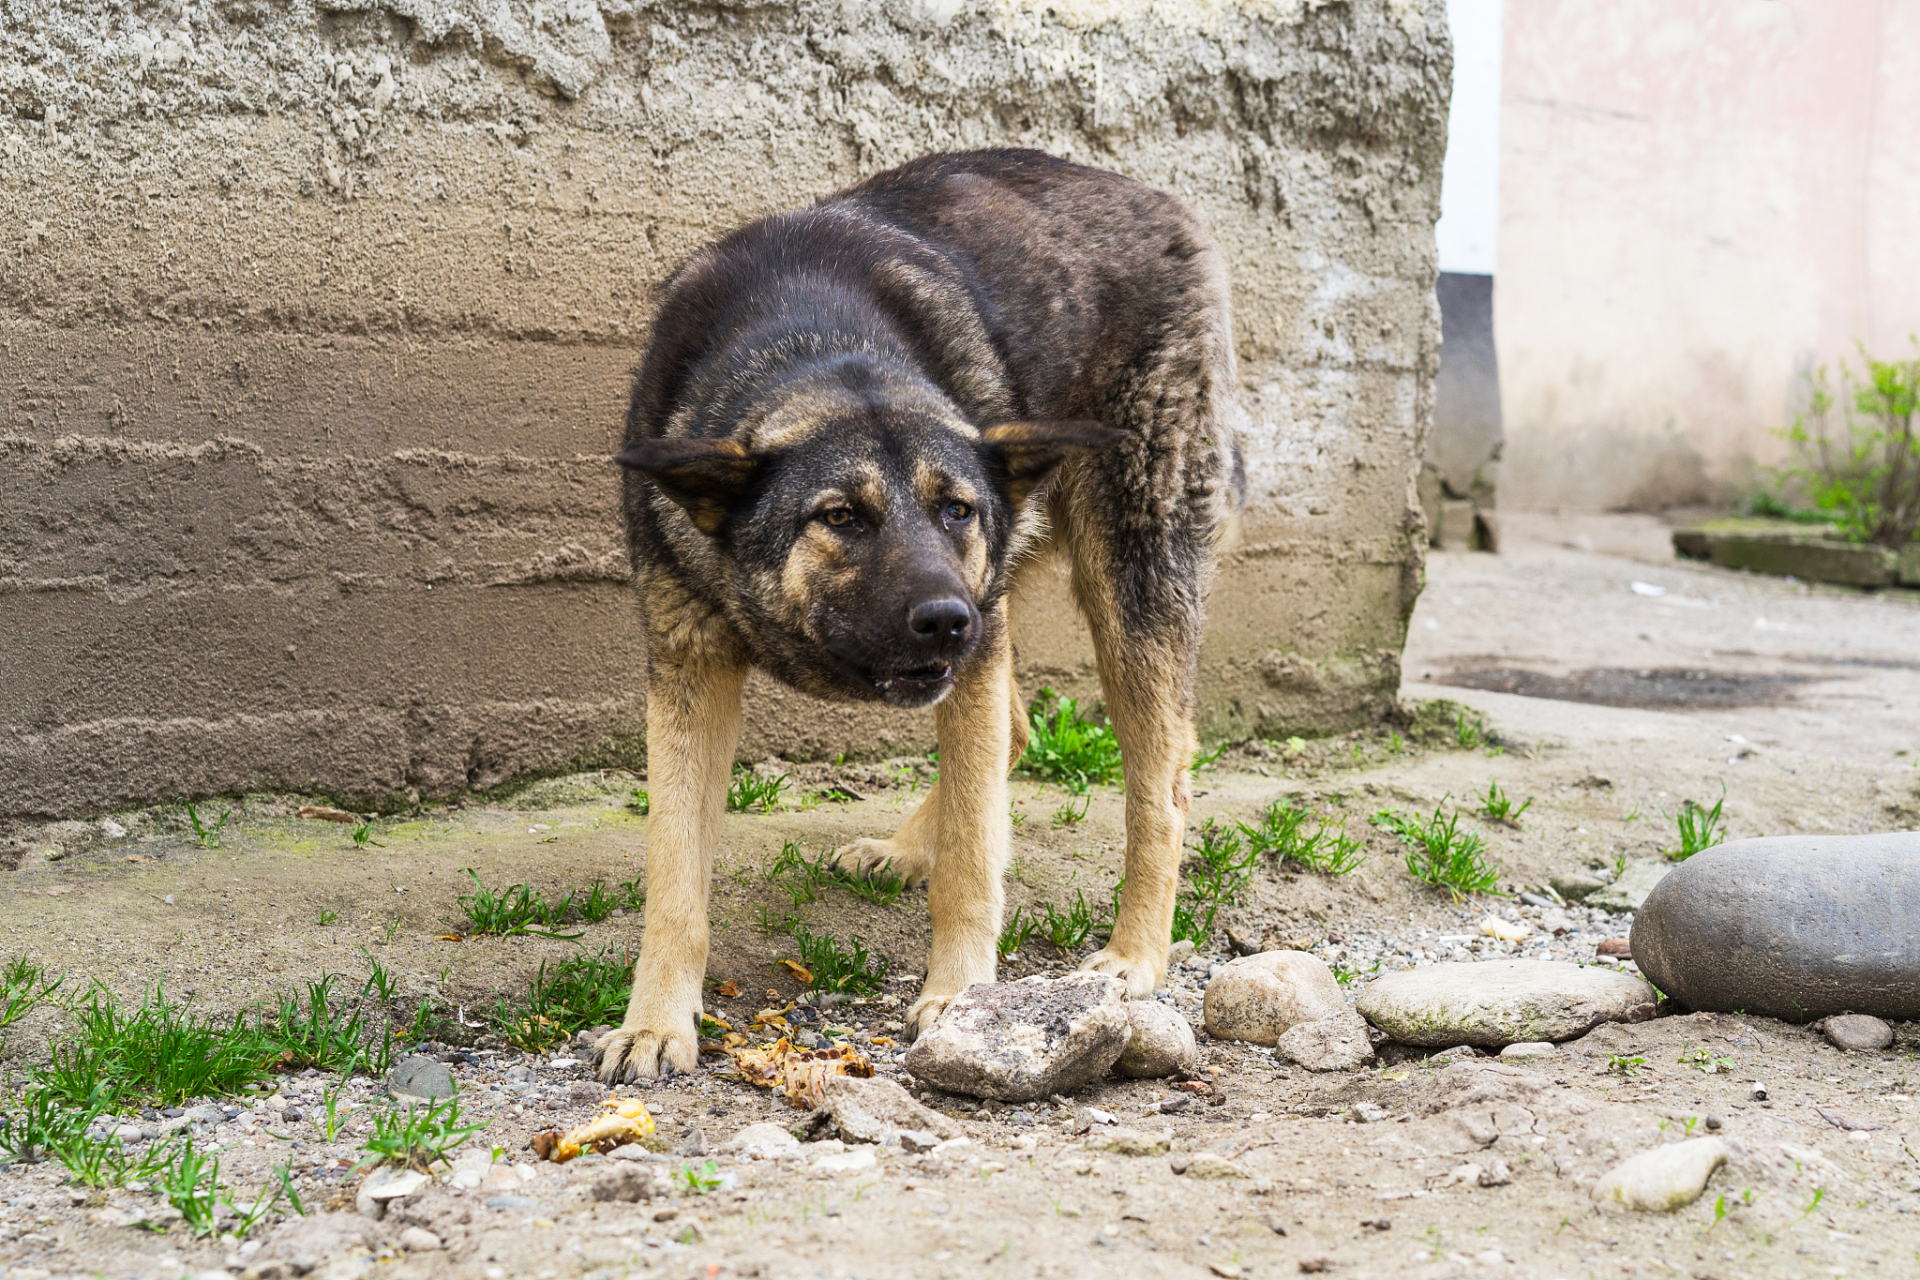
[693, 726]
[909, 853]
[1150, 706]
[975, 830]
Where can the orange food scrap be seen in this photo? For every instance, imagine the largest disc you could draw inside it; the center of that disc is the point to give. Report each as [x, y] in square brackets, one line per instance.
[726, 990]
[798, 970]
[800, 1073]
[625, 1120]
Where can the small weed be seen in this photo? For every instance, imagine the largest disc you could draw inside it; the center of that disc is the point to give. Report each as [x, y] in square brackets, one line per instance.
[1346, 975]
[633, 894]
[1621, 1065]
[599, 904]
[1225, 868]
[749, 791]
[1017, 929]
[581, 991]
[639, 802]
[698, 1182]
[1706, 1063]
[43, 1122]
[881, 886]
[190, 1181]
[513, 912]
[837, 970]
[1469, 734]
[771, 923]
[1499, 806]
[803, 877]
[1819, 1194]
[207, 837]
[1063, 748]
[23, 986]
[1719, 1211]
[1066, 815]
[1440, 854]
[327, 918]
[363, 836]
[1206, 759]
[102, 1162]
[1193, 920]
[1067, 929]
[380, 983]
[311, 1033]
[330, 1108]
[1699, 827]
[1395, 743]
[417, 1137]
[1281, 832]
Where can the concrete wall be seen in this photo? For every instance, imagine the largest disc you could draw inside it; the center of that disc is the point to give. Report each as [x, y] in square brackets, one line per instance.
[315, 322]
[1699, 200]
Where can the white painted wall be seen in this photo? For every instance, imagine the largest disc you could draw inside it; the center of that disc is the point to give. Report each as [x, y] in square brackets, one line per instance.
[1469, 226]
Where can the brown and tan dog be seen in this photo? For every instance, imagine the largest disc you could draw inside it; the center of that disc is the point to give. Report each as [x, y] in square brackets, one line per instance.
[852, 424]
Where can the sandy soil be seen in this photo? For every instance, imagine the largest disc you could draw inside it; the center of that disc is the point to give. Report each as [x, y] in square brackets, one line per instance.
[1810, 728]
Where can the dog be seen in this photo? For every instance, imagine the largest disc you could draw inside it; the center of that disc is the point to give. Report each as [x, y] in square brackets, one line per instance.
[852, 424]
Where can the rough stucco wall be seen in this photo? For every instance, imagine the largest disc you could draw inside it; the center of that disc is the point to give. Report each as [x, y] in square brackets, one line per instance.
[316, 318]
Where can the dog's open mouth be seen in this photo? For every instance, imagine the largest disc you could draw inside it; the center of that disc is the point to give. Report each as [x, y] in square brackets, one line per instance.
[915, 681]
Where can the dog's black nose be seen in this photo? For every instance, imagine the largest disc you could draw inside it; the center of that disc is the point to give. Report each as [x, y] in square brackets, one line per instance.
[940, 621]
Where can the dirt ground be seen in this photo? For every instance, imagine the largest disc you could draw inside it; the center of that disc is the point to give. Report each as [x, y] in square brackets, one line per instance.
[1656, 681]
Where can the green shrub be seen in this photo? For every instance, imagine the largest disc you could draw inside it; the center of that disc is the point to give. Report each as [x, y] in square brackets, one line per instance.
[1856, 455]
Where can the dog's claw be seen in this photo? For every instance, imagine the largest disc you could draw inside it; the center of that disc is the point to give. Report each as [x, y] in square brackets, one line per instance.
[924, 1012]
[637, 1054]
[1141, 974]
[866, 856]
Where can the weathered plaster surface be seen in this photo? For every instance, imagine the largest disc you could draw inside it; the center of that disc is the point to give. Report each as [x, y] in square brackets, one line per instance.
[315, 321]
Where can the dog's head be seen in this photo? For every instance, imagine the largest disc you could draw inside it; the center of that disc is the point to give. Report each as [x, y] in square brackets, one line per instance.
[862, 551]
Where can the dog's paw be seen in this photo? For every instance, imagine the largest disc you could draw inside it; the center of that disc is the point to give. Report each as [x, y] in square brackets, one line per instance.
[867, 856]
[924, 1012]
[639, 1054]
[1141, 973]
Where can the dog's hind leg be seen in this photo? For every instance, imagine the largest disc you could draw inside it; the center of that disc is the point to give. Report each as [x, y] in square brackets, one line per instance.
[974, 829]
[1141, 597]
[693, 727]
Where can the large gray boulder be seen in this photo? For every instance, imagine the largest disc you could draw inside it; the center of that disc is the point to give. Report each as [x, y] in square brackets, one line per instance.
[1017, 1041]
[1496, 1003]
[1794, 927]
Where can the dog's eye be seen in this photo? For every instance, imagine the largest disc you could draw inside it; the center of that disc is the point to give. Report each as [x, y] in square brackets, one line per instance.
[838, 517]
[958, 511]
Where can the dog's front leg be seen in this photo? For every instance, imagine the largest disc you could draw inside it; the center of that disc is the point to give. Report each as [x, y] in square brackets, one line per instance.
[693, 726]
[964, 892]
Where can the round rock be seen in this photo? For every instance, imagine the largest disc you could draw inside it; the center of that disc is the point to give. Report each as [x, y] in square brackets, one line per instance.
[1663, 1179]
[1338, 1043]
[1018, 1041]
[1258, 997]
[1161, 1044]
[1857, 1032]
[1501, 1002]
[1793, 927]
[418, 1079]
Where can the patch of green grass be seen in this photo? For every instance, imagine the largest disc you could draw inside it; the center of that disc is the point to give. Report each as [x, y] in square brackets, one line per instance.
[748, 791]
[160, 1052]
[327, 918]
[1499, 806]
[190, 1180]
[1193, 920]
[1621, 1065]
[1067, 816]
[363, 836]
[42, 1122]
[1282, 832]
[1015, 931]
[775, 923]
[207, 837]
[833, 969]
[1067, 929]
[24, 985]
[803, 877]
[417, 1136]
[698, 1182]
[1063, 748]
[1207, 759]
[514, 911]
[599, 903]
[312, 1033]
[579, 992]
[1699, 827]
[1440, 854]
[1223, 867]
[640, 803]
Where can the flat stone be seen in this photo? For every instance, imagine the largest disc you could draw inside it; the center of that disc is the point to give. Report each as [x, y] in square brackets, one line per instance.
[622, 1182]
[1527, 1051]
[418, 1079]
[384, 1184]
[1577, 886]
[1257, 997]
[754, 1140]
[1161, 1043]
[1026, 1040]
[512, 1202]
[1207, 1165]
[855, 1161]
[1495, 1003]
[1338, 1043]
[1630, 889]
[1664, 1179]
[1792, 927]
[876, 1110]
[1857, 1032]
[419, 1240]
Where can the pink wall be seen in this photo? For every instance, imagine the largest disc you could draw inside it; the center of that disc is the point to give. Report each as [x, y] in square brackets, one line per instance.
[1699, 199]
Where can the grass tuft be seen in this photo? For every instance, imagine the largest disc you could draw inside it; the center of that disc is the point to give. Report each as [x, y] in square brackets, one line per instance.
[514, 911]
[748, 791]
[1499, 806]
[833, 969]
[1067, 929]
[1282, 832]
[417, 1136]
[1699, 827]
[579, 992]
[160, 1052]
[208, 837]
[1440, 854]
[1063, 748]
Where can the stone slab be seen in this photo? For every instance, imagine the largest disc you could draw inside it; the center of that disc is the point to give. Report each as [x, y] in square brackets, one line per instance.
[1495, 1003]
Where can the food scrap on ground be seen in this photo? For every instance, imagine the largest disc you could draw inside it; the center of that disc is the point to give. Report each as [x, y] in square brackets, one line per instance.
[801, 1073]
[626, 1120]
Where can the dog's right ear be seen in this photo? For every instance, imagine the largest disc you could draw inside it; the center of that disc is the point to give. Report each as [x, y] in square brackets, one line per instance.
[704, 476]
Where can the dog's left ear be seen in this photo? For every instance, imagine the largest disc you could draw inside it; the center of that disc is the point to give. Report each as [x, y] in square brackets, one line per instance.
[1028, 452]
[704, 476]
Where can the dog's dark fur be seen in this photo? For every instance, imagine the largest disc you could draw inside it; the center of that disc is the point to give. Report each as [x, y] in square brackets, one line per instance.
[851, 422]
